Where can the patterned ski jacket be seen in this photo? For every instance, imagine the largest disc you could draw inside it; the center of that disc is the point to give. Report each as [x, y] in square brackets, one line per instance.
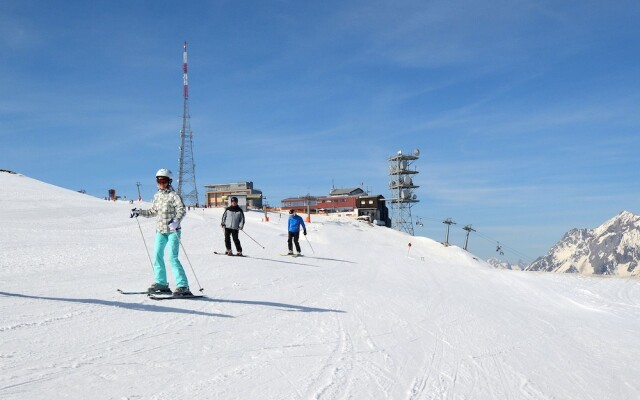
[167, 205]
[233, 218]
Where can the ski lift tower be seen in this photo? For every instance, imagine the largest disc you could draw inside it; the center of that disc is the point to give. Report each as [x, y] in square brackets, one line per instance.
[402, 189]
[187, 188]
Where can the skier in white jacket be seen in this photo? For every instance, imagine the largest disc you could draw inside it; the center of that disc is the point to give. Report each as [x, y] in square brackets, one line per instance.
[170, 210]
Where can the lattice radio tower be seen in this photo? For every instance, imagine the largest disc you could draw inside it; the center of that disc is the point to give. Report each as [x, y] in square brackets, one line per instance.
[187, 188]
[401, 186]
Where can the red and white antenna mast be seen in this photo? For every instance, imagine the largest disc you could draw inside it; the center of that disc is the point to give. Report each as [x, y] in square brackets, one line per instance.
[184, 72]
[187, 188]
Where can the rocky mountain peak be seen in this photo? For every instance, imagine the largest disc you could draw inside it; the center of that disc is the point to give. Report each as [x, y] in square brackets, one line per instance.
[613, 248]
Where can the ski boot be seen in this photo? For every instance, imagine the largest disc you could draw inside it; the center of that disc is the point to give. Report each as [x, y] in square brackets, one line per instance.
[157, 288]
[182, 291]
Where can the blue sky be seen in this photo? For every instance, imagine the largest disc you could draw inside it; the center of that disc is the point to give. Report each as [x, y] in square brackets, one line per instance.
[526, 113]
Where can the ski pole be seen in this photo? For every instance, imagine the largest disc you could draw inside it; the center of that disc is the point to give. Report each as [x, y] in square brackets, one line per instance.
[189, 261]
[309, 243]
[145, 243]
[252, 238]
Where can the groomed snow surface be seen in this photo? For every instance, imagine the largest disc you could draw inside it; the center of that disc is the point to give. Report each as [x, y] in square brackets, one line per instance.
[361, 316]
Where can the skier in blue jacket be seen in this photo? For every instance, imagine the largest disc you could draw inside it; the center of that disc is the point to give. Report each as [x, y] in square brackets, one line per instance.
[295, 221]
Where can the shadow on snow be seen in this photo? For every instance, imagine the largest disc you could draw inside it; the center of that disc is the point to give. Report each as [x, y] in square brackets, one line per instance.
[160, 308]
[286, 307]
[285, 262]
[331, 259]
[130, 306]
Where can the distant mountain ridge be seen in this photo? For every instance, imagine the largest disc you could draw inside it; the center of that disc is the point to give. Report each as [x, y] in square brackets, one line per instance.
[502, 264]
[613, 248]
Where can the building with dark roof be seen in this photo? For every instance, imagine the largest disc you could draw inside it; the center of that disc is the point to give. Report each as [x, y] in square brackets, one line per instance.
[301, 204]
[347, 192]
[340, 200]
[375, 208]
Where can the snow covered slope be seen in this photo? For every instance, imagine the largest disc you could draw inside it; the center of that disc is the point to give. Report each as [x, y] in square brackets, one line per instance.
[611, 249]
[362, 316]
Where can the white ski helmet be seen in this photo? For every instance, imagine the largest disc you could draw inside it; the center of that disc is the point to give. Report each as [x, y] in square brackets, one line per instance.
[165, 173]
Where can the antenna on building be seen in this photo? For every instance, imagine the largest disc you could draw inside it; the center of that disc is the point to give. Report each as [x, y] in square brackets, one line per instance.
[469, 229]
[449, 222]
[187, 188]
[401, 187]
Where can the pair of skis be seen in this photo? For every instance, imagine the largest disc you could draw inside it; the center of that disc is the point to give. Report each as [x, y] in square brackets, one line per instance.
[291, 255]
[229, 255]
[157, 296]
[235, 255]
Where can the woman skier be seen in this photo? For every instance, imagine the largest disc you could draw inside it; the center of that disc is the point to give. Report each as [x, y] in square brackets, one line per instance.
[170, 210]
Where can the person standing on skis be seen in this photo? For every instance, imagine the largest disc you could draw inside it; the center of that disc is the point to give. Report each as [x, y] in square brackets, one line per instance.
[170, 210]
[295, 221]
[232, 223]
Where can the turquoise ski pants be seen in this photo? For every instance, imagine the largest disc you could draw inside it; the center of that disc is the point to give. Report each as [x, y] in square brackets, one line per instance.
[172, 239]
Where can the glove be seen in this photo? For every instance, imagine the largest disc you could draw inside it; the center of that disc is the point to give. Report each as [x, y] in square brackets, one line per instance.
[134, 213]
[174, 225]
[305, 233]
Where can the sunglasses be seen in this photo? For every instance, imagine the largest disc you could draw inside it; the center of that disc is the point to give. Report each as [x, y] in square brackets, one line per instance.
[162, 180]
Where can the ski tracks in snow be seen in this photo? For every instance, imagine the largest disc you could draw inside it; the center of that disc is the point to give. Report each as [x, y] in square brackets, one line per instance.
[355, 365]
[100, 351]
[333, 379]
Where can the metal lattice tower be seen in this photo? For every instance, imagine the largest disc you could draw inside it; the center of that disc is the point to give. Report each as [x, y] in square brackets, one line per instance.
[402, 190]
[187, 188]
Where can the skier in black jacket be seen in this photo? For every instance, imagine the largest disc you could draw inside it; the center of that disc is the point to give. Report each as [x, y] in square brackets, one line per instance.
[232, 222]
